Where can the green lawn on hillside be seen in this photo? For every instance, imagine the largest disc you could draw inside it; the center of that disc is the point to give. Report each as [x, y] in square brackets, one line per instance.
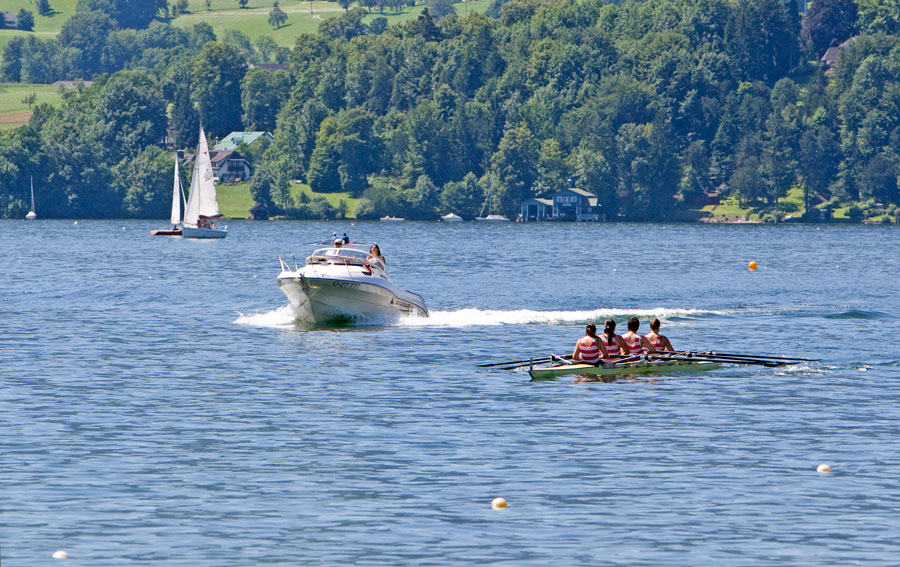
[15, 112]
[303, 17]
[44, 26]
[235, 200]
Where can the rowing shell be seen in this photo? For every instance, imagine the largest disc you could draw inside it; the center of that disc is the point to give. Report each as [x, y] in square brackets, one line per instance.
[623, 368]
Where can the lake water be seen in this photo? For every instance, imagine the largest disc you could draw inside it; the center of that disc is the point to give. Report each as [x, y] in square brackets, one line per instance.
[158, 405]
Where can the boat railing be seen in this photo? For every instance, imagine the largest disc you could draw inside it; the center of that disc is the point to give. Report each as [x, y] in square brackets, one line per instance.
[348, 256]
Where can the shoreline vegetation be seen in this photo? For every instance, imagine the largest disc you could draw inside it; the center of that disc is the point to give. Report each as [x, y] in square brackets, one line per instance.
[655, 110]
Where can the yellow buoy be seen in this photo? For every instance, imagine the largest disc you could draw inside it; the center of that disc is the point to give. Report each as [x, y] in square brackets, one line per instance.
[752, 266]
[498, 503]
[823, 468]
[61, 554]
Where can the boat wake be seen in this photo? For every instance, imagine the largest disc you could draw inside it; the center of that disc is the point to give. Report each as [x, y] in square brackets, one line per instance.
[285, 317]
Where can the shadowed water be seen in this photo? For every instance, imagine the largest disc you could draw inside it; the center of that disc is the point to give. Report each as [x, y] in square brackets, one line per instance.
[159, 406]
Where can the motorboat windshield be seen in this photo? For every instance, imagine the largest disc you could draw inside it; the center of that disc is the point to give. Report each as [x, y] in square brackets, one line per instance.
[343, 255]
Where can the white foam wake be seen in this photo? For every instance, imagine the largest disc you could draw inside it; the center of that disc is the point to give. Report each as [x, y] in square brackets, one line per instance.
[284, 316]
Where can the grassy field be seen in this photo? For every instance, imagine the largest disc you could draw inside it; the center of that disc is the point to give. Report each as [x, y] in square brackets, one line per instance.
[303, 17]
[44, 26]
[14, 112]
[235, 200]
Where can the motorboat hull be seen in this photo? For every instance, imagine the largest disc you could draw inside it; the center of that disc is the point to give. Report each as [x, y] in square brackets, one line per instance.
[202, 232]
[323, 300]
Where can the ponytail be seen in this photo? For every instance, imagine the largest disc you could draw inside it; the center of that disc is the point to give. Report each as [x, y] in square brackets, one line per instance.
[610, 331]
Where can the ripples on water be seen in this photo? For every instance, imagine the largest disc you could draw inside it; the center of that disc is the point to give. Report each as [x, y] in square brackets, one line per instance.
[159, 405]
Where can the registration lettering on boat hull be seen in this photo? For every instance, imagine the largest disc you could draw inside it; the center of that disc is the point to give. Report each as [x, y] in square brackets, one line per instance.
[345, 285]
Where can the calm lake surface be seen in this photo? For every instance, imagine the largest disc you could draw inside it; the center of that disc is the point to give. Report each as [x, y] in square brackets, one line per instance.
[158, 405]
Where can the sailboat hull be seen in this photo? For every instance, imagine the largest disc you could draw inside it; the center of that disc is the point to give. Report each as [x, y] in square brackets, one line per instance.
[31, 215]
[166, 232]
[202, 232]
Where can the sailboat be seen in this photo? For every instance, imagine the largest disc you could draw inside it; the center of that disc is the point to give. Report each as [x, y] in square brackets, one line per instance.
[31, 214]
[175, 217]
[202, 207]
[489, 203]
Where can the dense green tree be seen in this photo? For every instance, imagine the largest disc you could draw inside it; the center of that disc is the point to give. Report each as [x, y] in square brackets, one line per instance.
[277, 17]
[25, 20]
[145, 183]
[827, 22]
[346, 152]
[217, 75]
[262, 94]
[43, 7]
[127, 13]
[515, 164]
[88, 32]
[130, 115]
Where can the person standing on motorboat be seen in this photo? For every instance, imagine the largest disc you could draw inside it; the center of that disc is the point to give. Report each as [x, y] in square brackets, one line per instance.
[588, 348]
[636, 344]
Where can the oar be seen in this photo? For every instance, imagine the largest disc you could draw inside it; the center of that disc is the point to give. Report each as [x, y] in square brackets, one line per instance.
[733, 355]
[526, 361]
[731, 358]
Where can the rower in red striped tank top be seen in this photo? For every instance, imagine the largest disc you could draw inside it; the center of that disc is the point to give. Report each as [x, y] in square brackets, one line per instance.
[611, 341]
[588, 348]
[659, 342]
[635, 343]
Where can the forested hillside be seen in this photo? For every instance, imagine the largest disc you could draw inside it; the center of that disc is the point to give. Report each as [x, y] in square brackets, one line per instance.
[652, 106]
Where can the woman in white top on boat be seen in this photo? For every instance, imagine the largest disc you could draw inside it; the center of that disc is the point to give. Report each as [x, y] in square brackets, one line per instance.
[660, 342]
[588, 348]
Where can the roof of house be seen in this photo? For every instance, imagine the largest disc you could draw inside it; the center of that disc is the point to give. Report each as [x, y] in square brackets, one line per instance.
[831, 55]
[271, 67]
[9, 19]
[72, 83]
[233, 140]
[580, 192]
[533, 200]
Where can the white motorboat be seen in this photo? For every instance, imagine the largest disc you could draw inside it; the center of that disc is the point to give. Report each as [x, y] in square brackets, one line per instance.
[340, 284]
[451, 217]
[202, 207]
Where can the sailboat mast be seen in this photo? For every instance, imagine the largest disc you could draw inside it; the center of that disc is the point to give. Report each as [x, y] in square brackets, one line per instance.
[32, 192]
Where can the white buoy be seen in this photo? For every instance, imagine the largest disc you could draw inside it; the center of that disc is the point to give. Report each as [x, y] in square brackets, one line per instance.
[823, 468]
[498, 503]
[61, 554]
[76, 222]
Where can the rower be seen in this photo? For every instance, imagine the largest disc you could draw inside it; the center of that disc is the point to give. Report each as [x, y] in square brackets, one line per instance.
[345, 239]
[588, 348]
[659, 342]
[636, 344]
[613, 343]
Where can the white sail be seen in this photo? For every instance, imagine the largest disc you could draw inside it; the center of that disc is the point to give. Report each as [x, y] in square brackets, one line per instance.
[31, 214]
[175, 217]
[202, 202]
